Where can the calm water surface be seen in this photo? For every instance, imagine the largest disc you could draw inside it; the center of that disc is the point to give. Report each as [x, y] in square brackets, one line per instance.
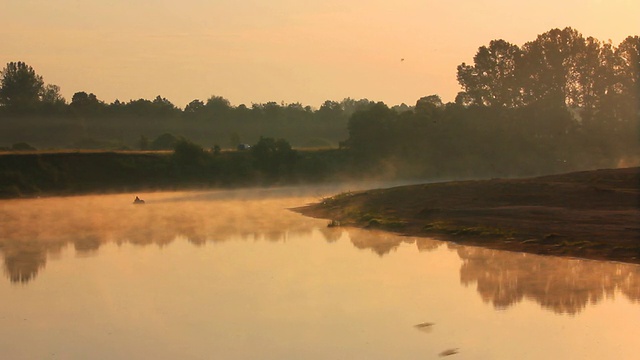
[235, 275]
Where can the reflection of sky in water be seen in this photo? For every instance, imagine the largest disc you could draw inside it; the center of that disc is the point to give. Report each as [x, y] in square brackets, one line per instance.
[264, 282]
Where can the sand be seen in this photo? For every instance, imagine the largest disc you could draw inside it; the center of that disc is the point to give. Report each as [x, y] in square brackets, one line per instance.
[590, 214]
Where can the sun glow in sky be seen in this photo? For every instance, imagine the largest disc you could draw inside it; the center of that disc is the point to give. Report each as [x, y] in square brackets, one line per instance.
[254, 51]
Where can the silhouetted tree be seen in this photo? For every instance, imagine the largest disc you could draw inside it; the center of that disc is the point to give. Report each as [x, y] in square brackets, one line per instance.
[22, 146]
[350, 106]
[143, 143]
[370, 132]
[86, 104]
[165, 141]
[551, 67]
[493, 79]
[273, 157]
[158, 108]
[51, 96]
[163, 107]
[272, 112]
[20, 86]
[234, 140]
[428, 106]
[330, 111]
[194, 109]
[628, 71]
[217, 108]
[190, 158]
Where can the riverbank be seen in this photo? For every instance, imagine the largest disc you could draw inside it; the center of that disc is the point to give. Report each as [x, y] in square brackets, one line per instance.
[55, 173]
[589, 214]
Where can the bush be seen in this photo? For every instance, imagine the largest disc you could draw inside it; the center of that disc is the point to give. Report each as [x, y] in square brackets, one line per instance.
[165, 141]
[22, 146]
[274, 157]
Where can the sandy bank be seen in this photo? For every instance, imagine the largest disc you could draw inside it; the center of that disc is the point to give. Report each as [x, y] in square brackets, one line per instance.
[590, 214]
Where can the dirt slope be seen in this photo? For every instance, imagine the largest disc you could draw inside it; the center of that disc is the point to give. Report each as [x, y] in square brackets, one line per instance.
[591, 214]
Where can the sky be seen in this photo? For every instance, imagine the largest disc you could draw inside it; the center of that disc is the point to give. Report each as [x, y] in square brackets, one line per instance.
[290, 51]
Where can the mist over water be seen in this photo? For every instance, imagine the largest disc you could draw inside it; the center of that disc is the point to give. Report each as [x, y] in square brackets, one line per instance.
[235, 274]
[33, 228]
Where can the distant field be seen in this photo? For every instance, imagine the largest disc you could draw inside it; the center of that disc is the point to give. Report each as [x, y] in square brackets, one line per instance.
[83, 151]
[98, 151]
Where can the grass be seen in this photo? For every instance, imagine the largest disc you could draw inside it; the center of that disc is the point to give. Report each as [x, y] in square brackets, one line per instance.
[444, 227]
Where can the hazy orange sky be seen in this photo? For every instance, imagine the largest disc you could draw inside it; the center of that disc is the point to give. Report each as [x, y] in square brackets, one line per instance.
[280, 50]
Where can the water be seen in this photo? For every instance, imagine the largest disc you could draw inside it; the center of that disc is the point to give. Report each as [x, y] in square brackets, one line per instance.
[235, 275]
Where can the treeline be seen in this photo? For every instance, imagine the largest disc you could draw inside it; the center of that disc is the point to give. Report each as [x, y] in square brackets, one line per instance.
[268, 162]
[558, 66]
[89, 123]
[560, 102]
[452, 141]
[37, 114]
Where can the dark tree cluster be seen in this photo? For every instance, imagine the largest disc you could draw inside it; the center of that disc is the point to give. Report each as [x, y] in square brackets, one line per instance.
[34, 113]
[557, 103]
[22, 90]
[559, 65]
[270, 161]
[561, 102]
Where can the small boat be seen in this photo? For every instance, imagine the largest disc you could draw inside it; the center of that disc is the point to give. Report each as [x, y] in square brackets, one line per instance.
[448, 352]
[138, 201]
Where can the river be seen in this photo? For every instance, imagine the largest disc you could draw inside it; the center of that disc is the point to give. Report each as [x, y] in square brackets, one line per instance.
[237, 275]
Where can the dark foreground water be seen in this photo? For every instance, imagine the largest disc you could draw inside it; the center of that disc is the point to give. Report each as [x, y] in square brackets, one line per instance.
[235, 275]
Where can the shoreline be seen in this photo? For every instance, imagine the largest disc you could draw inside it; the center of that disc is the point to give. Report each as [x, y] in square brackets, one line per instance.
[588, 214]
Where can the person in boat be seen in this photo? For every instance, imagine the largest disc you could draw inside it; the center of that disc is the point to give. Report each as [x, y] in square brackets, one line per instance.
[138, 201]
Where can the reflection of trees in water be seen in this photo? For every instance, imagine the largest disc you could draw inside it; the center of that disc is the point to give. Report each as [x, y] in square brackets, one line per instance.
[383, 243]
[331, 234]
[22, 262]
[87, 244]
[425, 244]
[379, 242]
[34, 229]
[559, 284]
[505, 278]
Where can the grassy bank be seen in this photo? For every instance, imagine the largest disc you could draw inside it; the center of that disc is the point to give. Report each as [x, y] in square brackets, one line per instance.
[590, 214]
[78, 172]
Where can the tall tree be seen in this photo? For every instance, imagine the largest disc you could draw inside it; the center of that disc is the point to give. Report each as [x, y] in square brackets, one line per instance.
[20, 86]
[492, 80]
[86, 104]
[193, 108]
[51, 95]
[273, 157]
[594, 65]
[427, 106]
[161, 107]
[217, 108]
[370, 132]
[550, 67]
[51, 99]
[628, 53]
[628, 104]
